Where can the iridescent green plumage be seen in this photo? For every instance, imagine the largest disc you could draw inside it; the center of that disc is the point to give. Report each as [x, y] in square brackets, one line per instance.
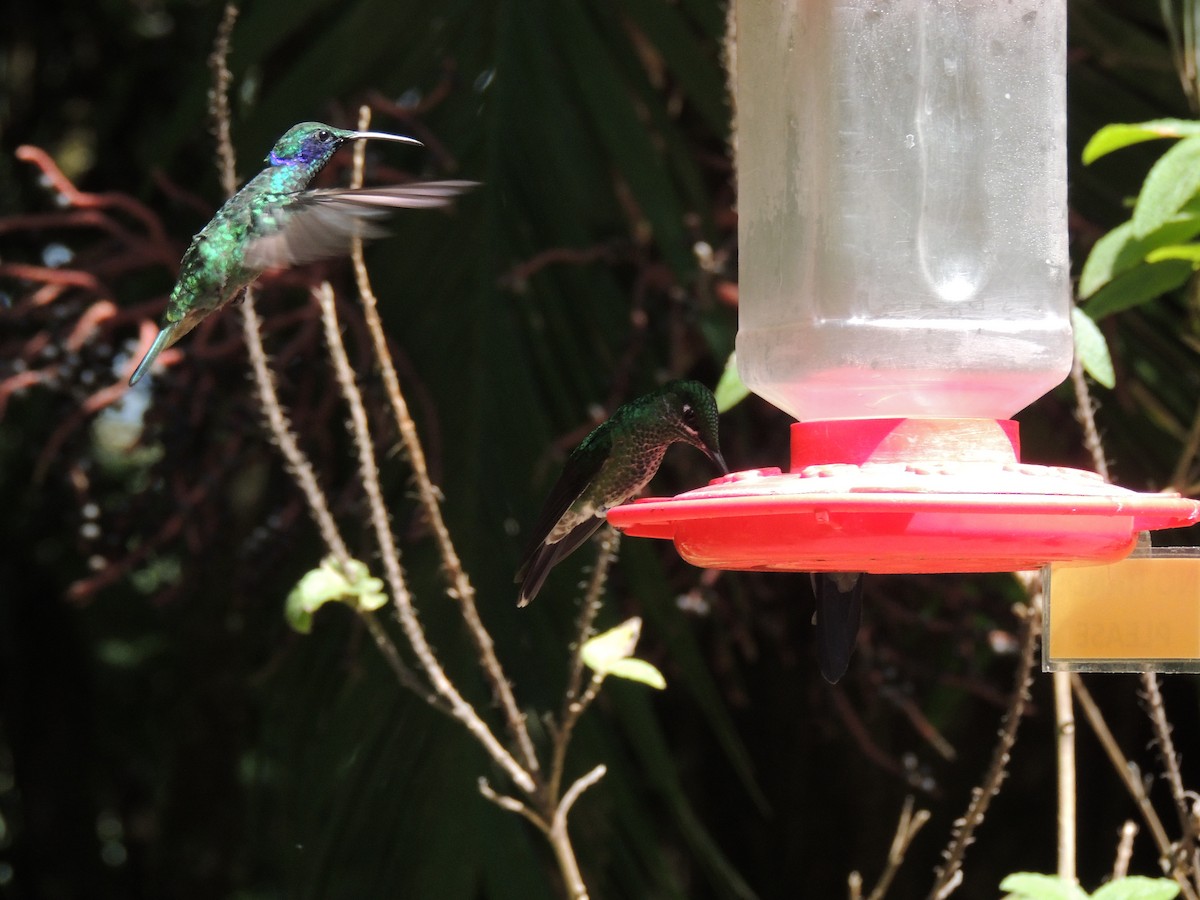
[273, 222]
[611, 465]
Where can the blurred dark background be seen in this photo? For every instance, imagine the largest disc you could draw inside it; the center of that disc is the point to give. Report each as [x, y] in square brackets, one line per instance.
[163, 734]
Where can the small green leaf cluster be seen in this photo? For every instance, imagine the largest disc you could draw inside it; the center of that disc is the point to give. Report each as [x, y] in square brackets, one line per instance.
[611, 653]
[1152, 253]
[352, 584]
[1030, 886]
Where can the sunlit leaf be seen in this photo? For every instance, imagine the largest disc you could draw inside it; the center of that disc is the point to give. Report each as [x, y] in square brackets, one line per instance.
[1188, 252]
[1031, 886]
[329, 583]
[1171, 183]
[1138, 286]
[615, 644]
[611, 653]
[731, 390]
[1117, 136]
[633, 669]
[1137, 887]
[1120, 250]
[1092, 349]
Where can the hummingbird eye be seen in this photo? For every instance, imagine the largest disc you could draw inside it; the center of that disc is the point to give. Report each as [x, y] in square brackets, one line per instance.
[323, 135]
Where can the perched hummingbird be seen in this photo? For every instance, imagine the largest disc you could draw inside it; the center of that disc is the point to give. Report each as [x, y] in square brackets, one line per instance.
[611, 465]
[273, 222]
[839, 611]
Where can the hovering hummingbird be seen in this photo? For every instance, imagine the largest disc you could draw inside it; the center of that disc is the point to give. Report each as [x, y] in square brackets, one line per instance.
[273, 222]
[839, 611]
[611, 465]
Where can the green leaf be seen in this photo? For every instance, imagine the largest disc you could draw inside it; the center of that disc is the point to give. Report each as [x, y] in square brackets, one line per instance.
[1170, 184]
[1120, 250]
[1030, 886]
[1189, 252]
[1138, 286]
[1138, 887]
[613, 645]
[1092, 349]
[1116, 136]
[634, 669]
[611, 653]
[731, 390]
[329, 583]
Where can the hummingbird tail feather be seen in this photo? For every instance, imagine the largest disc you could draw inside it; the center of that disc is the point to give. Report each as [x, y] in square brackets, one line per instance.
[166, 337]
[546, 556]
[839, 612]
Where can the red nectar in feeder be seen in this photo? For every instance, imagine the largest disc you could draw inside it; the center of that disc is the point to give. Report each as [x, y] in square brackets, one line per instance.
[903, 265]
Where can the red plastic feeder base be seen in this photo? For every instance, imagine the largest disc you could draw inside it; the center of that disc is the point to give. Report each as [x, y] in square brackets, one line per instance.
[904, 495]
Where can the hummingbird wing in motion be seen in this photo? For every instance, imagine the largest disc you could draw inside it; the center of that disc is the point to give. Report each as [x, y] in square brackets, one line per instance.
[318, 224]
[839, 611]
[560, 528]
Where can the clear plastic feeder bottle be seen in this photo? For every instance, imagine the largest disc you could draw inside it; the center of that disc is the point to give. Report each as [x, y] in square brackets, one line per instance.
[902, 205]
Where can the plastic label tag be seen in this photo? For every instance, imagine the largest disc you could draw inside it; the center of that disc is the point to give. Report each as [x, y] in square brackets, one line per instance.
[1136, 615]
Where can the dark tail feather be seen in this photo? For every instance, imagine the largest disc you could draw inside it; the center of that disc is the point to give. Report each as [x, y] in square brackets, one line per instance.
[546, 556]
[839, 611]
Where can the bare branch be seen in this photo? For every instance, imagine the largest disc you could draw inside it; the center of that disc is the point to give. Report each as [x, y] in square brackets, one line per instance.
[950, 874]
[397, 583]
[1133, 784]
[574, 703]
[1170, 760]
[403, 673]
[574, 792]
[906, 831]
[1064, 737]
[1085, 412]
[281, 428]
[512, 804]
[458, 584]
[218, 100]
[1124, 849]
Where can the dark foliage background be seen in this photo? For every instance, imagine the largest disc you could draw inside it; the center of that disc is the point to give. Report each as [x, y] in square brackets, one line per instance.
[162, 734]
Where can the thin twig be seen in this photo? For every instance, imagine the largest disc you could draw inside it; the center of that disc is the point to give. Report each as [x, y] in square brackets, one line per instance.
[1187, 456]
[458, 584]
[512, 804]
[861, 734]
[575, 703]
[561, 842]
[1085, 412]
[1170, 759]
[1124, 849]
[390, 553]
[573, 793]
[950, 874]
[1133, 784]
[318, 504]
[906, 831]
[404, 674]
[218, 99]
[919, 721]
[1155, 707]
[1064, 719]
[281, 429]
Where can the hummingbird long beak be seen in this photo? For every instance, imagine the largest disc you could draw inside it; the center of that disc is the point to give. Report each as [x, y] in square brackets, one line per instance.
[383, 136]
[716, 457]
